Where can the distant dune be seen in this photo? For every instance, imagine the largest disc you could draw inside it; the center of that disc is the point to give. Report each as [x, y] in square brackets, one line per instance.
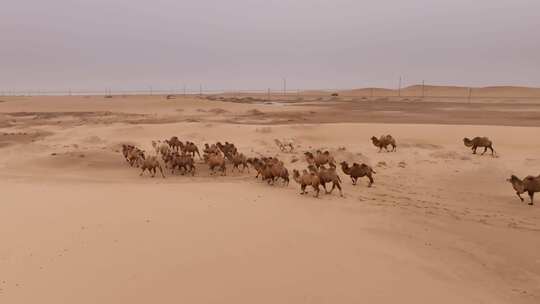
[448, 91]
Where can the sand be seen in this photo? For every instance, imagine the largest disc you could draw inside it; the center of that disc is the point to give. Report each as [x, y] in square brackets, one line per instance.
[440, 225]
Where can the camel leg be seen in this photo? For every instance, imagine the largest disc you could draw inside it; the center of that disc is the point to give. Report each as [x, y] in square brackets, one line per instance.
[492, 151]
[161, 170]
[333, 187]
[143, 169]
[339, 188]
[485, 149]
[353, 181]
[531, 195]
[303, 188]
[519, 195]
[324, 186]
[474, 149]
[371, 181]
[317, 191]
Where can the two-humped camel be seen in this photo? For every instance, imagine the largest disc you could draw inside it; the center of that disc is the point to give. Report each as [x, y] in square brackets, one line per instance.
[529, 184]
[479, 142]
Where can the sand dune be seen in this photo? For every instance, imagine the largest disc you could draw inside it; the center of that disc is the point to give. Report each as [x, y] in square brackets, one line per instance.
[78, 225]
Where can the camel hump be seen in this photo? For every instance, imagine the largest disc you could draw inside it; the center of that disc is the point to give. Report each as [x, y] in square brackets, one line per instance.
[356, 164]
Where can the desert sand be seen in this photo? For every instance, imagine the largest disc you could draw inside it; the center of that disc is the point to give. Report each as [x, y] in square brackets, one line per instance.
[440, 225]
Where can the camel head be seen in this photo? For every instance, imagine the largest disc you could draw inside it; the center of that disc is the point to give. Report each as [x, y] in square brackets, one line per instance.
[517, 184]
[467, 142]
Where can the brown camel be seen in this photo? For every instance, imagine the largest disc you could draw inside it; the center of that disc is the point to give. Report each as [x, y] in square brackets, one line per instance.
[529, 184]
[190, 148]
[357, 171]
[150, 164]
[134, 155]
[479, 142]
[320, 158]
[217, 161]
[307, 179]
[237, 160]
[180, 161]
[383, 142]
[174, 143]
[327, 176]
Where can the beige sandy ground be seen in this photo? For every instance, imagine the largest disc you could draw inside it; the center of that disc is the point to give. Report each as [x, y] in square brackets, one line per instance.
[439, 226]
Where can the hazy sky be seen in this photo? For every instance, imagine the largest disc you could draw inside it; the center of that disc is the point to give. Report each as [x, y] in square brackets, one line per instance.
[252, 44]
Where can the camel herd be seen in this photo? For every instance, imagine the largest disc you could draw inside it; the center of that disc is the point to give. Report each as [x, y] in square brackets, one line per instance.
[321, 169]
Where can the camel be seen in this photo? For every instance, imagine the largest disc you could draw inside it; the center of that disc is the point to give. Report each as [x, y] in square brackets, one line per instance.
[320, 158]
[327, 176]
[286, 144]
[529, 184]
[482, 142]
[210, 149]
[161, 148]
[174, 143]
[257, 164]
[226, 148]
[277, 170]
[134, 155]
[238, 159]
[126, 149]
[190, 148]
[383, 142]
[150, 164]
[180, 161]
[217, 161]
[357, 171]
[307, 179]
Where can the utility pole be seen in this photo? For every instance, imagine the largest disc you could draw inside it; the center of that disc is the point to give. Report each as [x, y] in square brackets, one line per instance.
[284, 86]
[184, 90]
[399, 89]
[268, 94]
[423, 88]
[470, 93]
[200, 90]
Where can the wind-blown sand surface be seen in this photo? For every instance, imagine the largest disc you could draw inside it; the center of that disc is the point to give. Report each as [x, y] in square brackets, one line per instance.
[440, 225]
